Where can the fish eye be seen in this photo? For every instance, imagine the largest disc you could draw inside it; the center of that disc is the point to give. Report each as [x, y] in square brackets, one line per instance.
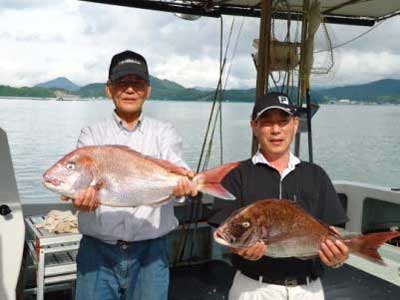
[246, 224]
[71, 166]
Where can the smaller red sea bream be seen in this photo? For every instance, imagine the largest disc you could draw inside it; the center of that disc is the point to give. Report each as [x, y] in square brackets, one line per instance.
[289, 231]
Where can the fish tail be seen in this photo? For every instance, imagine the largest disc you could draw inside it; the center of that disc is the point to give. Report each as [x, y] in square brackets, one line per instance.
[367, 245]
[209, 181]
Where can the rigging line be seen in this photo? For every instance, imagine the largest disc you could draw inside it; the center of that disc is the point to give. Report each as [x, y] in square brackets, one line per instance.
[221, 145]
[210, 144]
[219, 107]
[217, 95]
[215, 98]
[353, 39]
[283, 81]
[291, 86]
[218, 115]
[224, 89]
[234, 53]
[274, 81]
[213, 105]
[193, 207]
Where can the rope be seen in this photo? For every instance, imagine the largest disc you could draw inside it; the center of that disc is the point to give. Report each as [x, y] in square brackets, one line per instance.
[215, 114]
[353, 39]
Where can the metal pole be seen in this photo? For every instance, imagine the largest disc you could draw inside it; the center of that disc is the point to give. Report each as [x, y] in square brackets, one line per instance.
[300, 86]
[263, 55]
[309, 131]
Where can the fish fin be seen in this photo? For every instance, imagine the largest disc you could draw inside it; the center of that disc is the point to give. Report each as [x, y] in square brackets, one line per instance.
[217, 190]
[123, 147]
[367, 245]
[99, 184]
[209, 181]
[161, 162]
[170, 167]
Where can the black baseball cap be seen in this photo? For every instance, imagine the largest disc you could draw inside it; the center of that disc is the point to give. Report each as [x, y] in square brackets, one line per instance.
[128, 63]
[270, 101]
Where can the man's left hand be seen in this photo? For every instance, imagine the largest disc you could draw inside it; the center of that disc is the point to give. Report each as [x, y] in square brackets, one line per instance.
[333, 253]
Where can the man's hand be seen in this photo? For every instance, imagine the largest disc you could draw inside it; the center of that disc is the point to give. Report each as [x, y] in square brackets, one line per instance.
[254, 252]
[185, 187]
[87, 199]
[333, 252]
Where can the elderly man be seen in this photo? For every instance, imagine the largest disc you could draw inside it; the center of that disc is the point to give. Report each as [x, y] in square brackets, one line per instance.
[120, 242]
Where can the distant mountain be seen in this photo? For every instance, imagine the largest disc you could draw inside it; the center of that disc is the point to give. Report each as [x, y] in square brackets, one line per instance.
[161, 90]
[169, 90]
[60, 83]
[382, 91]
[386, 90]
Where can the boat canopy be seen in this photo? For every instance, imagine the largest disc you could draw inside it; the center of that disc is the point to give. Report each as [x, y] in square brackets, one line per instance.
[350, 12]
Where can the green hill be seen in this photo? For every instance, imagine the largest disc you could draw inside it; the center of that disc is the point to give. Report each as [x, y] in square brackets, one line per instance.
[161, 90]
[6, 90]
[382, 91]
[92, 90]
[169, 90]
[386, 90]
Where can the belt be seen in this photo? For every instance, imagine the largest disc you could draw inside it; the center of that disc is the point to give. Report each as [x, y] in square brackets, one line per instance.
[290, 281]
[124, 244]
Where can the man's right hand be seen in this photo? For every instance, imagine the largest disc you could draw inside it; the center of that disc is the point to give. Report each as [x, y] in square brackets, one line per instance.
[86, 201]
[254, 252]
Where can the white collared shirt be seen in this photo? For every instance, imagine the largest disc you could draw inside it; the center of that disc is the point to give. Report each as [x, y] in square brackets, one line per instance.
[259, 158]
[150, 137]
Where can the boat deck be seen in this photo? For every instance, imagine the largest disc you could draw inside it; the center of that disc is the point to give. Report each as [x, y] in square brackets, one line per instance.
[211, 281]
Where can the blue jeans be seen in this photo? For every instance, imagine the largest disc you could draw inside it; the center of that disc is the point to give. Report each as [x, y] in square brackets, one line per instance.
[138, 271]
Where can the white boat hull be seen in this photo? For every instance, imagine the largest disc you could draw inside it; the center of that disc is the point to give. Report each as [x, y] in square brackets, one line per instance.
[12, 229]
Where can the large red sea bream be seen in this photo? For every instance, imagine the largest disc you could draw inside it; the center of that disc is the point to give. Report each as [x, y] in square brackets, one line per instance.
[126, 177]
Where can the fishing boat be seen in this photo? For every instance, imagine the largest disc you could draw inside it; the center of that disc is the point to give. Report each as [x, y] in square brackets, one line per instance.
[35, 264]
[68, 98]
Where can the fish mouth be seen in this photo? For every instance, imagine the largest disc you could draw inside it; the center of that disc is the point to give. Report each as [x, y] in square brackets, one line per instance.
[221, 238]
[51, 182]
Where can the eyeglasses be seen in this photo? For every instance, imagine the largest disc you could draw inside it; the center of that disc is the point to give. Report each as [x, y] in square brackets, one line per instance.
[137, 85]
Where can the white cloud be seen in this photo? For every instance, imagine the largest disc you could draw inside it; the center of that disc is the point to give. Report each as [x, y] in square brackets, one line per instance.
[24, 4]
[42, 40]
[360, 67]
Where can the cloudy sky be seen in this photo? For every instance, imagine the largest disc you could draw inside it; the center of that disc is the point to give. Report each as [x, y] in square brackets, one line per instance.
[44, 39]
